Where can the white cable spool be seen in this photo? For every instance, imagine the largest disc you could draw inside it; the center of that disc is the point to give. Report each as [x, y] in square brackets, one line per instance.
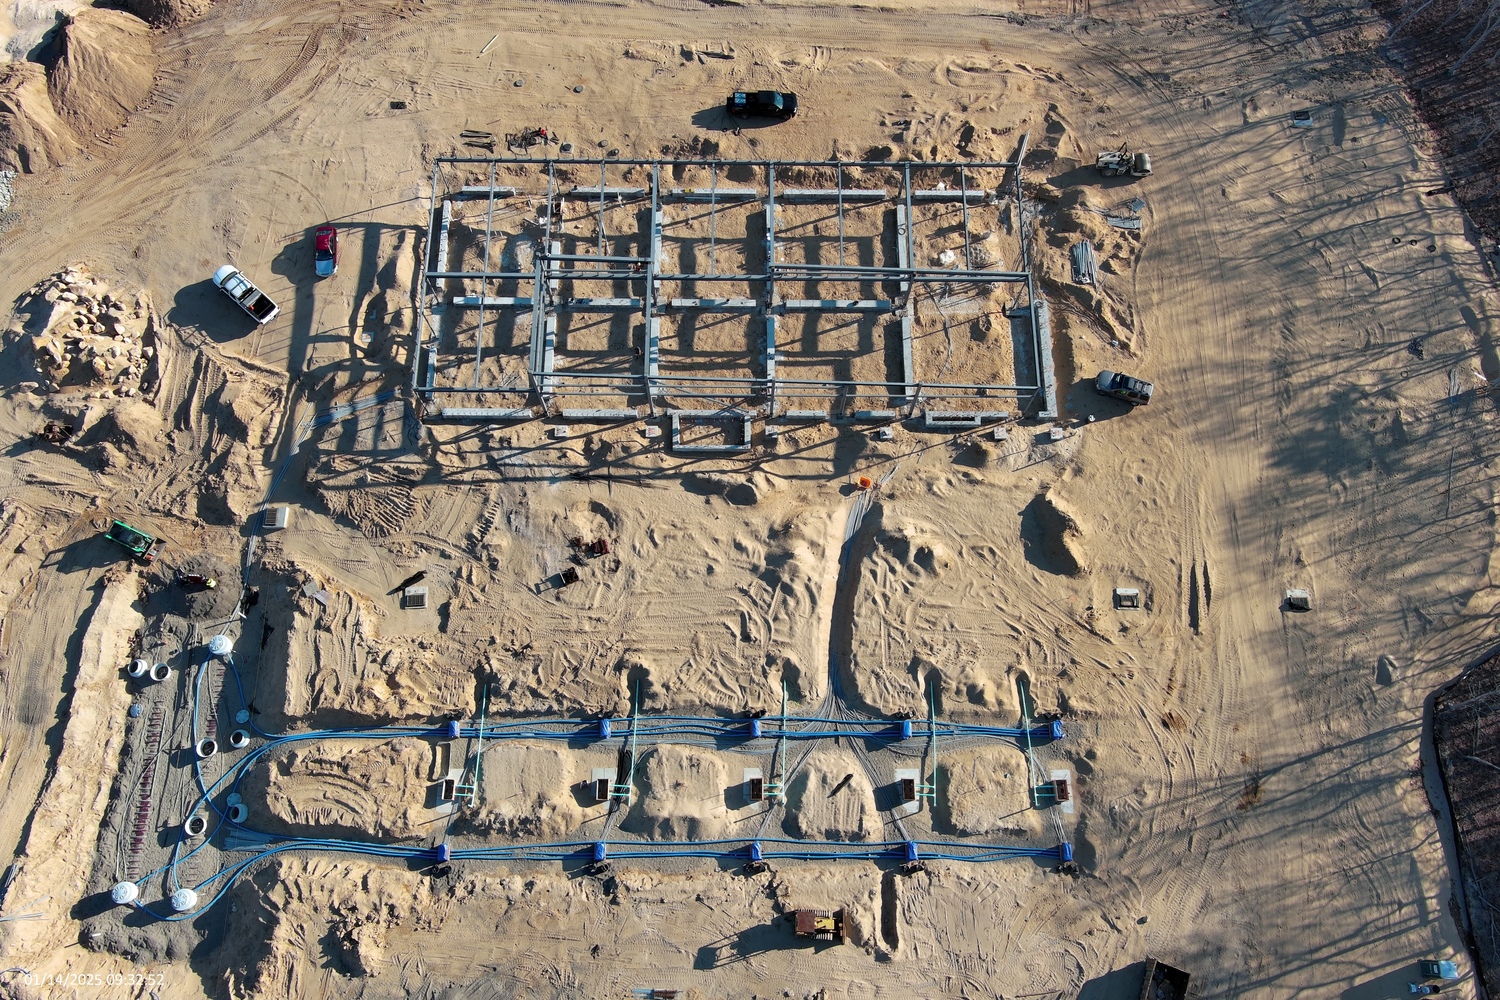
[220, 646]
[239, 739]
[124, 892]
[206, 748]
[184, 900]
[139, 668]
[160, 672]
[238, 813]
[195, 825]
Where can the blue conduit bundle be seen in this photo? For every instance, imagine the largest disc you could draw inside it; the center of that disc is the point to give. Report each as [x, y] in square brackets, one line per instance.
[661, 728]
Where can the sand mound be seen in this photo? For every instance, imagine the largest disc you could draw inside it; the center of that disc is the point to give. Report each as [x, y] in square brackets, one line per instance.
[830, 798]
[375, 499]
[128, 435]
[327, 664]
[106, 69]
[32, 136]
[196, 601]
[740, 490]
[167, 13]
[916, 548]
[87, 335]
[1052, 536]
[682, 795]
[353, 908]
[984, 791]
[529, 792]
[342, 788]
[65, 827]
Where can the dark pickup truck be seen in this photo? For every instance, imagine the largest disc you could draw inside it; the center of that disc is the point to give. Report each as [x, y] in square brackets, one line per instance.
[761, 104]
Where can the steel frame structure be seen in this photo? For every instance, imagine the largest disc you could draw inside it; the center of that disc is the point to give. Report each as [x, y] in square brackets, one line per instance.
[766, 393]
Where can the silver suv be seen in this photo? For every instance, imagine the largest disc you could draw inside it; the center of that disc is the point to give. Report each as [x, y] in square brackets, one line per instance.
[1132, 390]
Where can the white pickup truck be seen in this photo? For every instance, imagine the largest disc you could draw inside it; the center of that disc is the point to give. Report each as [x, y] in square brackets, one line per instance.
[249, 298]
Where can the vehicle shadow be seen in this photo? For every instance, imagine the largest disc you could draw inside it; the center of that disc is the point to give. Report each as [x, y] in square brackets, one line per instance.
[1391, 984]
[203, 308]
[1119, 984]
[716, 119]
[746, 944]
[1083, 400]
[1088, 174]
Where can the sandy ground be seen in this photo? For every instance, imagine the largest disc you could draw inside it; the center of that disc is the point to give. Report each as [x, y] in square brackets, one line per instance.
[1250, 797]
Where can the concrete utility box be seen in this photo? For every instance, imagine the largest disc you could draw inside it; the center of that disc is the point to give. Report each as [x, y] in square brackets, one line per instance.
[1127, 598]
[1298, 600]
[754, 785]
[1163, 982]
[277, 518]
[414, 598]
[602, 783]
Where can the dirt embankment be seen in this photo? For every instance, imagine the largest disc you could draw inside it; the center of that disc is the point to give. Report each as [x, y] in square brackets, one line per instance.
[52, 871]
[104, 68]
[345, 788]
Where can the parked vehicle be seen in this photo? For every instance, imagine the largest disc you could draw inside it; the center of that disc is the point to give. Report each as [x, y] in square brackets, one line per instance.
[1119, 162]
[325, 251]
[820, 925]
[141, 545]
[761, 104]
[1132, 390]
[249, 298]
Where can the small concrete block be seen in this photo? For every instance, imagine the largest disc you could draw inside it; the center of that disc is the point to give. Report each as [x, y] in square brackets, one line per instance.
[1127, 598]
[1056, 433]
[753, 785]
[278, 518]
[886, 434]
[1065, 777]
[1298, 600]
[602, 782]
[558, 433]
[414, 598]
[653, 431]
[907, 779]
[999, 434]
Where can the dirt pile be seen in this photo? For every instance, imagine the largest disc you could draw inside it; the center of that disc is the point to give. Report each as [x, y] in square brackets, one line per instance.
[1052, 536]
[830, 798]
[682, 796]
[341, 788]
[167, 13]
[65, 826]
[128, 435]
[105, 70]
[88, 336]
[375, 498]
[984, 791]
[32, 135]
[326, 663]
[356, 906]
[529, 791]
